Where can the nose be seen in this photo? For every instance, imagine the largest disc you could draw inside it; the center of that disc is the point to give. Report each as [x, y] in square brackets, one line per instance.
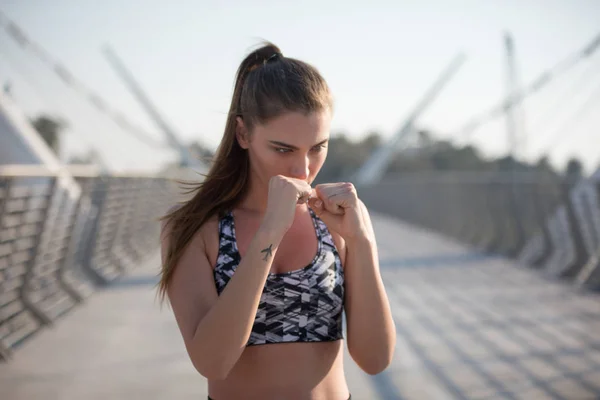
[300, 168]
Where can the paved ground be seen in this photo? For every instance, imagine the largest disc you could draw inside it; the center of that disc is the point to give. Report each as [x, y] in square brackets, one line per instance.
[469, 327]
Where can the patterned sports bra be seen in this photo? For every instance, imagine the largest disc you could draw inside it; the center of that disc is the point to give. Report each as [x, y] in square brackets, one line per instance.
[303, 305]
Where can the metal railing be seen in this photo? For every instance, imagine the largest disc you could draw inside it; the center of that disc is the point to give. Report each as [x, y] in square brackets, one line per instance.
[539, 220]
[62, 235]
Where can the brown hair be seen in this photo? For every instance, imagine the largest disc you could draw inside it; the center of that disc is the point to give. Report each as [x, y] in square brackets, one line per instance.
[267, 85]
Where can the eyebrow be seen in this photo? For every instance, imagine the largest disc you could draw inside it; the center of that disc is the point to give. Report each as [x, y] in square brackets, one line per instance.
[289, 146]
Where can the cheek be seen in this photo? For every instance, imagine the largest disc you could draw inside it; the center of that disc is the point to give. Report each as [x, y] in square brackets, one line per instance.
[317, 162]
[269, 161]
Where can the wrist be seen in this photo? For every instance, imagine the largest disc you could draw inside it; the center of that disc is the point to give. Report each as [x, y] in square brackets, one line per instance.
[270, 233]
[360, 238]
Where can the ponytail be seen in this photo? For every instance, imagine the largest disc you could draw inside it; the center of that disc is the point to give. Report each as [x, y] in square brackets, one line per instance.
[267, 84]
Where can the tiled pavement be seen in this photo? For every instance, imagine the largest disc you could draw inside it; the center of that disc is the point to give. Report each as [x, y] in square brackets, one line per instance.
[469, 327]
[484, 328]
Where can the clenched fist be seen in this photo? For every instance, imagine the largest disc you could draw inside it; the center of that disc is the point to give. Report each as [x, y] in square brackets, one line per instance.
[337, 204]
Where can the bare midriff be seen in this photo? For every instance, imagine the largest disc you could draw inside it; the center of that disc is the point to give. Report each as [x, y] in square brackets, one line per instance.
[290, 371]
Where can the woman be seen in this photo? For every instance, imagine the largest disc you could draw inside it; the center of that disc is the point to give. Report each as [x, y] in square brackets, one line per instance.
[258, 266]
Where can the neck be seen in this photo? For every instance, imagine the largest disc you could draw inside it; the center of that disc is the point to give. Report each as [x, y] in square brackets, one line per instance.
[256, 197]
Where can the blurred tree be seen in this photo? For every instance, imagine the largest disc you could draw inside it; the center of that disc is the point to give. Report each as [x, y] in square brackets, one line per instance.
[574, 169]
[543, 164]
[372, 140]
[438, 155]
[506, 163]
[49, 129]
[339, 153]
[345, 156]
[91, 157]
[425, 138]
[7, 88]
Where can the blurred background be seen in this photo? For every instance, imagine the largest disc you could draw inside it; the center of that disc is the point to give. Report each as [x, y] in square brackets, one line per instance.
[470, 128]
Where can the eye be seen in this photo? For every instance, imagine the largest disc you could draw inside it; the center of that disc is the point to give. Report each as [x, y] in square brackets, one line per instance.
[281, 150]
[319, 148]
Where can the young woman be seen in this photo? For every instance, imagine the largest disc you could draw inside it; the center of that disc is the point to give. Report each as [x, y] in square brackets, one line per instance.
[258, 266]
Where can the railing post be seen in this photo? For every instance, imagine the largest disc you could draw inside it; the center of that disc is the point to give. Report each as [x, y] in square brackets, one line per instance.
[575, 233]
[69, 260]
[25, 296]
[515, 214]
[5, 352]
[98, 195]
[121, 221]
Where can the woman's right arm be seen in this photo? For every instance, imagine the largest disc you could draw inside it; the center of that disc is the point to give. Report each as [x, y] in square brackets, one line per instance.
[215, 329]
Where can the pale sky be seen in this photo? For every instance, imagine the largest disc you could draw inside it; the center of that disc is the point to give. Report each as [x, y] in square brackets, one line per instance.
[379, 57]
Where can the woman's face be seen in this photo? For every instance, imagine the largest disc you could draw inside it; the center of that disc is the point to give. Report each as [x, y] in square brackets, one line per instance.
[293, 144]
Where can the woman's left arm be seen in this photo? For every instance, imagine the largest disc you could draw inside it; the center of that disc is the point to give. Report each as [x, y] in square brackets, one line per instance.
[371, 333]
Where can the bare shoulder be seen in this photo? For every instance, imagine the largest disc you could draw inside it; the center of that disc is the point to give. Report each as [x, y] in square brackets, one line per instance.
[210, 226]
[204, 241]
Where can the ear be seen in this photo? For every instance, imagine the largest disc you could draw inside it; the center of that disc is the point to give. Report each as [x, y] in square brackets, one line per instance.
[241, 133]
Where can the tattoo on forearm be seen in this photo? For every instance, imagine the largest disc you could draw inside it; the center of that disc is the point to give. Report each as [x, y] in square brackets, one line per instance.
[267, 251]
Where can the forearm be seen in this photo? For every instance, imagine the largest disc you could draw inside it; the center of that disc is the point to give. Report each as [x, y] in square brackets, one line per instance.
[222, 334]
[371, 330]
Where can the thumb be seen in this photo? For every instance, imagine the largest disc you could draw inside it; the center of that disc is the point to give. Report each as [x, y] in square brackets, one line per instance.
[331, 220]
[316, 204]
